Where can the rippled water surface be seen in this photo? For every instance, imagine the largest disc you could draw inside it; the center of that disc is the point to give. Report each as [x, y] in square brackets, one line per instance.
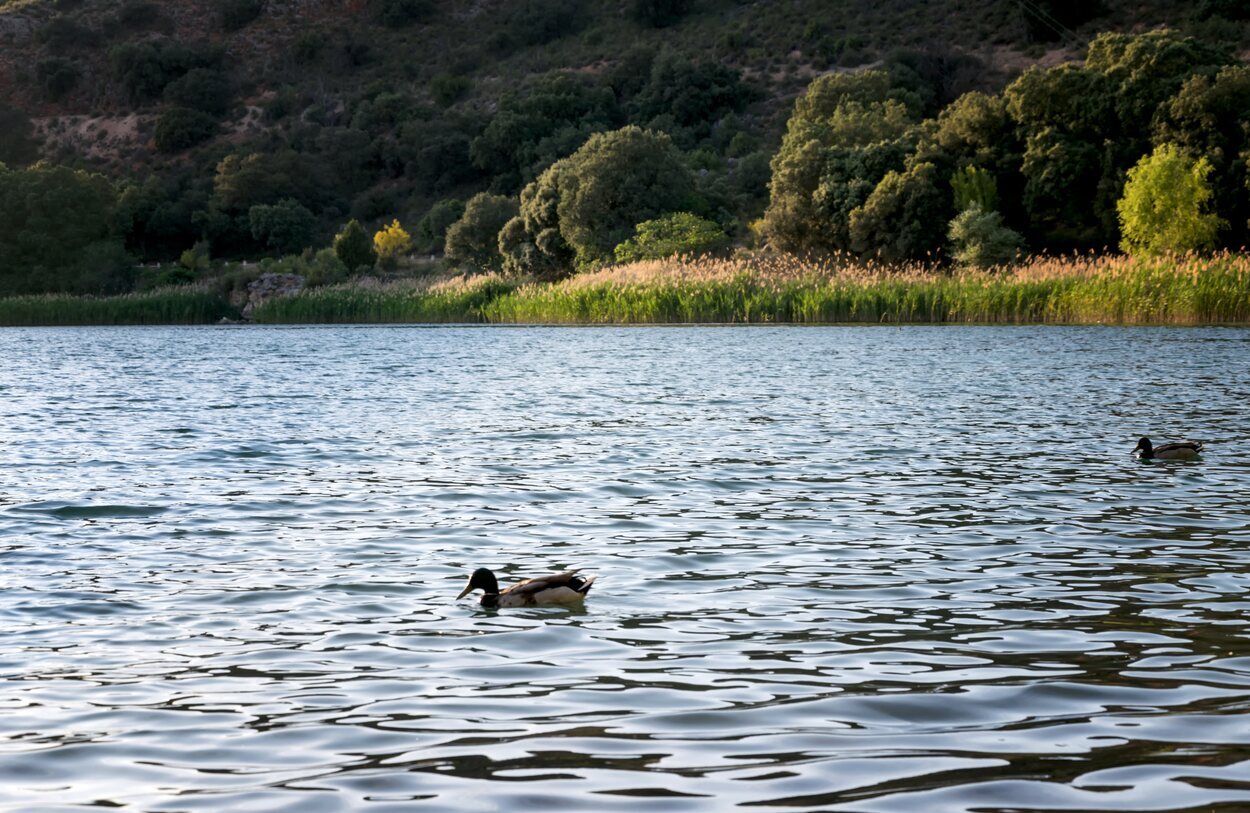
[840, 569]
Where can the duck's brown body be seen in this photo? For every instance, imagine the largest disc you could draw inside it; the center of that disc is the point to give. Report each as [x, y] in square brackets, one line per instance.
[559, 588]
[1181, 450]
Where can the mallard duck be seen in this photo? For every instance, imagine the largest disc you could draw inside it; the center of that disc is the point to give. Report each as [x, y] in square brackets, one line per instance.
[558, 588]
[1182, 450]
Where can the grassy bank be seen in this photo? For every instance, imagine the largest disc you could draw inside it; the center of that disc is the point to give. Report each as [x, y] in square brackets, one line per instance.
[167, 306]
[1188, 290]
[1071, 290]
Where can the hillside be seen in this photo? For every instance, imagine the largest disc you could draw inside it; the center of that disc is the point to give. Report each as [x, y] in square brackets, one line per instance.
[382, 108]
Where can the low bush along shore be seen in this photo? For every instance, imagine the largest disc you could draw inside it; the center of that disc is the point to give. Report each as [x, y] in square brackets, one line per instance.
[1188, 290]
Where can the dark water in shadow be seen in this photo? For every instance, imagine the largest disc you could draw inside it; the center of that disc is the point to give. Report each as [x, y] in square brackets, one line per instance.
[840, 569]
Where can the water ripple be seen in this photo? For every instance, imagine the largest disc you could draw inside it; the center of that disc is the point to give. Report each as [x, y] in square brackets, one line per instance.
[841, 570]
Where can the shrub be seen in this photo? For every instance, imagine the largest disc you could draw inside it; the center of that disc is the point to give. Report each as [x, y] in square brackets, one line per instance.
[181, 127]
[974, 187]
[448, 89]
[308, 47]
[286, 226]
[63, 35]
[615, 181]
[147, 67]
[846, 132]
[204, 89]
[17, 144]
[432, 228]
[325, 268]
[391, 242]
[904, 218]
[980, 240]
[195, 260]
[137, 14]
[538, 22]
[660, 13]
[1163, 209]
[59, 231]
[57, 76]
[473, 241]
[400, 13]
[354, 248]
[236, 14]
[531, 243]
[679, 233]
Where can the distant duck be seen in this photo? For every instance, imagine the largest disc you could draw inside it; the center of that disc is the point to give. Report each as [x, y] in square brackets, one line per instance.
[559, 588]
[1182, 450]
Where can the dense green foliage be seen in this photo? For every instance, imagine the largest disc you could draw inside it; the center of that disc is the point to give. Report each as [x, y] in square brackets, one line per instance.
[1164, 208]
[473, 240]
[180, 128]
[593, 118]
[17, 144]
[980, 240]
[57, 232]
[615, 181]
[432, 228]
[354, 248]
[236, 14]
[680, 233]
[147, 67]
[1048, 158]
[285, 227]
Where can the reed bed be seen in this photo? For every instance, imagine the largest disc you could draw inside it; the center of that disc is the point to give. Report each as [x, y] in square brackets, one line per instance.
[165, 306]
[1078, 289]
[762, 288]
[454, 300]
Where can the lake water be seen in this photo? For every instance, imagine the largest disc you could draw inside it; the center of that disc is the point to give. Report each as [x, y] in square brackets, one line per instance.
[840, 569]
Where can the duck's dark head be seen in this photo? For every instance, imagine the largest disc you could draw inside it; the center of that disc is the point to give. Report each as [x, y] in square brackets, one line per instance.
[482, 579]
[1143, 447]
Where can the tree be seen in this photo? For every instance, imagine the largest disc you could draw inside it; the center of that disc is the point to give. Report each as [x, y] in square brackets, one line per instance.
[432, 228]
[243, 181]
[974, 187]
[980, 240]
[1067, 115]
[57, 75]
[147, 67]
[813, 172]
[1210, 117]
[354, 248]
[401, 13]
[180, 128]
[547, 119]
[17, 144]
[905, 217]
[1164, 205]
[235, 14]
[691, 95]
[668, 236]
[286, 226]
[1146, 70]
[59, 232]
[391, 242]
[615, 181]
[660, 13]
[473, 241]
[530, 243]
[203, 89]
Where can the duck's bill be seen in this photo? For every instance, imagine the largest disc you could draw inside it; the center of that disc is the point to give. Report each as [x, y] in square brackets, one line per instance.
[464, 592]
